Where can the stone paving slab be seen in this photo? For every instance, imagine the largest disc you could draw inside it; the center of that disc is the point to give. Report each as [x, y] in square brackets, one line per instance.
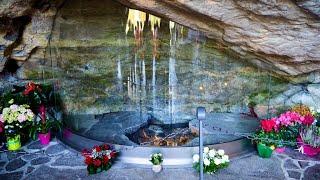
[57, 161]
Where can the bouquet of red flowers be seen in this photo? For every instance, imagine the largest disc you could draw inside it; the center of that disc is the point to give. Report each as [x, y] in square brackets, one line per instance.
[99, 159]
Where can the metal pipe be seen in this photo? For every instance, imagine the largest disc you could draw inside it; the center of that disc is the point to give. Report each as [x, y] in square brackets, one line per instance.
[201, 115]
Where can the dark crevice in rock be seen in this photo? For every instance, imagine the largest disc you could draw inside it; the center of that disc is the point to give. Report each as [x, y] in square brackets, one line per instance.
[11, 66]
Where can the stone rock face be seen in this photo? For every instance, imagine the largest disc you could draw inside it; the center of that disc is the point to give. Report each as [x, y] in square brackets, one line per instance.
[280, 36]
[25, 27]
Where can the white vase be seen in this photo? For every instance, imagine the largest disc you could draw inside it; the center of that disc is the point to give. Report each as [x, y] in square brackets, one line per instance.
[156, 168]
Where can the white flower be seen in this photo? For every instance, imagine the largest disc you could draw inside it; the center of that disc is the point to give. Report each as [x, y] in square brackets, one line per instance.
[225, 158]
[212, 153]
[221, 152]
[206, 150]
[217, 161]
[196, 158]
[206, 162]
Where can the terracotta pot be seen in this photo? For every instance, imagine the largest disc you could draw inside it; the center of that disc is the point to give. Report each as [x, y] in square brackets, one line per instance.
[156, 168]
[280, 149]
[14, 143]
[44, 138]
[264, 151]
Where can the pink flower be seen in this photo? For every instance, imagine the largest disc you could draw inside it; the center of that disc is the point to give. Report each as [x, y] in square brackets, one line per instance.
[307, 119]
[21, 118]
[289, 118]
[1, 118]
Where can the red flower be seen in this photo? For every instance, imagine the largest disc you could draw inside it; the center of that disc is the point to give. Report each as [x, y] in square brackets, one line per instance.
[85, 152]
[88, 160]
[307, 120]
[98, 148]
[113, 154]
[96, 162]
[105, 159]
[105, 147]
[268, 125]
[29, 88]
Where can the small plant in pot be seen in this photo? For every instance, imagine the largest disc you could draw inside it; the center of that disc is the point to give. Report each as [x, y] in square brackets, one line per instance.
[43, 126]
[264, 138]
[14, 118]
[156, 159]
[309, 140]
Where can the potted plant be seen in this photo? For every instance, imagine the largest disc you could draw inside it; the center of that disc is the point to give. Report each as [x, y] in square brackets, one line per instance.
[43, 126]
[309, 140]
[14, 118]
[99, 159]
[212, 160]
[264, 138]
[156, 159]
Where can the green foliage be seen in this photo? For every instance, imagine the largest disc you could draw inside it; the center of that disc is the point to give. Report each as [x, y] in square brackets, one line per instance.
[156, 159]
[284, 137]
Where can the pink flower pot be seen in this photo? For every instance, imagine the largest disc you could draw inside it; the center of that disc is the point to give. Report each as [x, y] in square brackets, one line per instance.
[309, 150]
[280, 150]
[44, 138]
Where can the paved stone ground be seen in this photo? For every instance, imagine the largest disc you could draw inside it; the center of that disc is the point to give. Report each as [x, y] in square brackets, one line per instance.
[56, 161]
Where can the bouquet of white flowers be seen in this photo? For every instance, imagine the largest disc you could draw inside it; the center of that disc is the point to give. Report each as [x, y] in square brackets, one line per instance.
[15, 117]
[213, 160]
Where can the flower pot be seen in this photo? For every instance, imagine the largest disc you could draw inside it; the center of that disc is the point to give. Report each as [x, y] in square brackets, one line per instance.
[280, 149]
[44, 138]
[14, 143]
[309, 150]
[156, 168]
[264, 151]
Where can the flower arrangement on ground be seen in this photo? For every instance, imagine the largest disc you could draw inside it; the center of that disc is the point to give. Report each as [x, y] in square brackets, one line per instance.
[156, 159]
[309, 140]
[99, 159]
[282, 130]
[14, 118]
[212, 160]
[43, 127]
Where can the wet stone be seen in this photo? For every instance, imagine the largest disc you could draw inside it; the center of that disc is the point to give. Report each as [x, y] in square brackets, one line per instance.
[29, 157]
[281, 156]
[40, 160]
[45, 172]
[14, 155]
[69, 160]
[2, 164]
[35, 145]
[29, 169]
[15, 164]
[303, 164]
[294, 174]
[312, 173]
[55, 149]
[289, 164]
[12, 176]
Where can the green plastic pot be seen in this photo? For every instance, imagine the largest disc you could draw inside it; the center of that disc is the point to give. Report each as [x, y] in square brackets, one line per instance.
[14, 143]
[264, 151]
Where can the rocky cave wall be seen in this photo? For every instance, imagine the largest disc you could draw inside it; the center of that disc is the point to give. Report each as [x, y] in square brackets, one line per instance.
[280, 36]
[25, 29]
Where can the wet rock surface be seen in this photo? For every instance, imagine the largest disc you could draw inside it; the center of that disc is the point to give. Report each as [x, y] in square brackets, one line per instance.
[272, 31]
